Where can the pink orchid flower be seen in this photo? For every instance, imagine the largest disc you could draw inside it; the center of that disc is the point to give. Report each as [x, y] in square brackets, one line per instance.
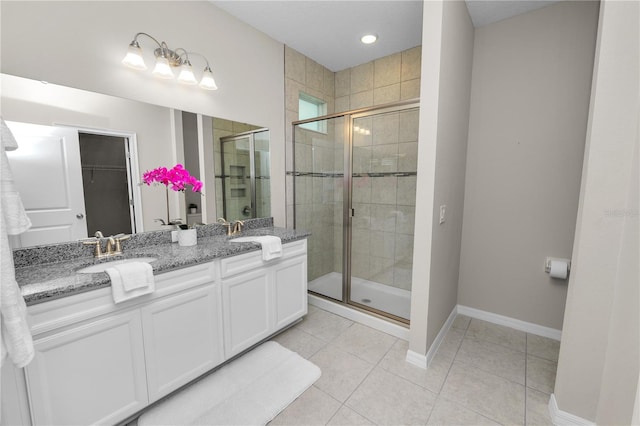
[176, 178]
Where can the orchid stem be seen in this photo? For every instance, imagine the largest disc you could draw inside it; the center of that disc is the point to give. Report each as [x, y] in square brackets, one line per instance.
[167, 192]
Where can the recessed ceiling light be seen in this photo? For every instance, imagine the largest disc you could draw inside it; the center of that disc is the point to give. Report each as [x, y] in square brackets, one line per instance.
[369, 38]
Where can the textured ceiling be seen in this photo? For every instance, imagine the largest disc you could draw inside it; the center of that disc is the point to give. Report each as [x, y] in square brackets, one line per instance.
[329, 31]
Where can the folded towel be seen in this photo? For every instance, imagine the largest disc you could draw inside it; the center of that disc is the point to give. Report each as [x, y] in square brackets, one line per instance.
[16, 340]
[130, 280]
[271, 247]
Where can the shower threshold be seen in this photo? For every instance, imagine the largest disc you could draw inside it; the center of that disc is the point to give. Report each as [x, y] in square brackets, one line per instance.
[392, 300]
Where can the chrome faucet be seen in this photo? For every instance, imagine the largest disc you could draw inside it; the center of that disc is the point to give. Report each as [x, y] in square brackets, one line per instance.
[113, 247]
[223, 221]
[237, 227]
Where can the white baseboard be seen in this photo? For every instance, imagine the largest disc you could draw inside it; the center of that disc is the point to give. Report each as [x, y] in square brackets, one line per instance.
[423, 361]
[441, 334]
[416, 359]
[360, 317]
[562, 418]
[517, 324]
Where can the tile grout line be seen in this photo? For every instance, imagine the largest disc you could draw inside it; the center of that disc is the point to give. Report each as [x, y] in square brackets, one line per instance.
[344, 404]
[444, 381]
[438, 395]
[454, 360]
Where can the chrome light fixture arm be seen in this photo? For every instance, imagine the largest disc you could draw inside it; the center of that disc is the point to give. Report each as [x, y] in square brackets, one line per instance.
[167, 58]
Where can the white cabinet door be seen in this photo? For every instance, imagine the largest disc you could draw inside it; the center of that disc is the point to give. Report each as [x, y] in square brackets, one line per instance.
[290, 293]
[182, 338]
[247, 316]
[14, 409]
[92, 373]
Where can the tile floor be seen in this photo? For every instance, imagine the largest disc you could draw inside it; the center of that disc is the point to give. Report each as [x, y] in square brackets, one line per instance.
[483, 374]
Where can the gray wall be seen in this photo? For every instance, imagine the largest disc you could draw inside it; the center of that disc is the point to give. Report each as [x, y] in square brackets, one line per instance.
[451, 153]
[529, 103]
[447, 42]
[191, 160]
[598, 367]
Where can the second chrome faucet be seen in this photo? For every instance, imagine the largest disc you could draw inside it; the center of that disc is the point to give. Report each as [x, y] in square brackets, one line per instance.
[232, 228]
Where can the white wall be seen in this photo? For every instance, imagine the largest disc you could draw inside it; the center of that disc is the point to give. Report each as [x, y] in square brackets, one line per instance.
[529, 104]
[599, 355]
[447, 36]
[80, 44]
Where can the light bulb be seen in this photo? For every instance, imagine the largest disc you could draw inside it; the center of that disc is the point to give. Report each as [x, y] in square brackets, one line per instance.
[207, 81]
[162, 68]
[186, 74]
[369, 38]
[133, 58]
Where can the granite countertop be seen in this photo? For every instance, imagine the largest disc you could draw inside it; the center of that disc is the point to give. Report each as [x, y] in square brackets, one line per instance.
[42, 282]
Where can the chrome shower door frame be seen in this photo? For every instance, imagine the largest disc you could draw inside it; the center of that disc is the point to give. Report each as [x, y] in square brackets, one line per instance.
[252, 168]
[347, 204]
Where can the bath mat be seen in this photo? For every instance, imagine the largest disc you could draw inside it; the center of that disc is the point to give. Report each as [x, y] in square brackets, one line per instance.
[251, 390]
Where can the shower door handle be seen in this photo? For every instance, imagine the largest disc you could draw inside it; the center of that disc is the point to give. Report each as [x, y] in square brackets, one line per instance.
[352, 212]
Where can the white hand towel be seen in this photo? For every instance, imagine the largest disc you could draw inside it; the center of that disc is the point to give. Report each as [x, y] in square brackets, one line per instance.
[131, 280]
[16, 338]
[271, 247]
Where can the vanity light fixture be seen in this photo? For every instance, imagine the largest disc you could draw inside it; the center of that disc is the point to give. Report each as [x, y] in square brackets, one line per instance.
[369, 38]
[166, 59]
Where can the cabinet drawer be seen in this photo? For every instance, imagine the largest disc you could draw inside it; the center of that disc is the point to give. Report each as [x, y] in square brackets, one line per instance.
[248, 261]
[58, 313]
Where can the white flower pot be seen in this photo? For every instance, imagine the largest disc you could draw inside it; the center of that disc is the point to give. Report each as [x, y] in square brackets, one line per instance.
[187, 237]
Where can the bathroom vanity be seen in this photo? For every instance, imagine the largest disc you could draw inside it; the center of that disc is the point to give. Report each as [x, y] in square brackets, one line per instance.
[99, 363]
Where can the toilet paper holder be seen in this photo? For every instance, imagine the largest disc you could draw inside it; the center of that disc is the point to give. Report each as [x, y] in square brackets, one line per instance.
[548, 260]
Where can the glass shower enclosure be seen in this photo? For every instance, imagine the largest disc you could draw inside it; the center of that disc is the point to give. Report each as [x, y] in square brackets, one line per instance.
[244, 182]
[354, 185]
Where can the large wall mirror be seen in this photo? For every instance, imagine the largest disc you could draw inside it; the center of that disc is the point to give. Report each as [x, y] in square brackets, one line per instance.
[81, 156]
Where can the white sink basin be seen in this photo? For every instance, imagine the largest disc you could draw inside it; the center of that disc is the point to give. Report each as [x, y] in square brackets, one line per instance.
[244, 240]
[100, 267]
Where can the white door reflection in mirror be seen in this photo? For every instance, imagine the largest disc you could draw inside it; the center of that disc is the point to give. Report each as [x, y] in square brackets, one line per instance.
[73, 182]
[47, 171]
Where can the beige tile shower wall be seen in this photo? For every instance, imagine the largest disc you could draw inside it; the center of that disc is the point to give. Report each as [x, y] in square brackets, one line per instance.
[314, 152]
[384, 207]
[383, 227]
[386, 80]
[382, 246]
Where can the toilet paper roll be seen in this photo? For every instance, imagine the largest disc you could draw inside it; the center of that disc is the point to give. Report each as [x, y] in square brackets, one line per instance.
[558, 269]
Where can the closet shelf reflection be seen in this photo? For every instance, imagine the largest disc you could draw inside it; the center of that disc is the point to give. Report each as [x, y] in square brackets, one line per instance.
[103, 167]
[339, 175]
